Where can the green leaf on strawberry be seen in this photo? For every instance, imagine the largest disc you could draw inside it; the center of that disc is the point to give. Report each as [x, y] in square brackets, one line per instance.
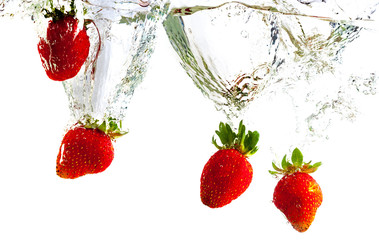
[297, 157]
[297, 165]
[110, 126]
[284, 162]
[59, 13]
[246, 144]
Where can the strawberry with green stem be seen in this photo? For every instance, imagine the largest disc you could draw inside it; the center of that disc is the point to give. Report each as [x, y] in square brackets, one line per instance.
[66, 47]
[228, 174]
[87, 148]
[297, 194]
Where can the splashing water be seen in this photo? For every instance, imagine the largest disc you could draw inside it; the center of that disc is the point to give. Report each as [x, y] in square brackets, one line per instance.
[127, 38]
[228, 51]
[243, 51]
[322, 76]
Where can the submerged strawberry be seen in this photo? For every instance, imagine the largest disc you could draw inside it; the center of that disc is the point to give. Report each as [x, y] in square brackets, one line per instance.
[86, 149]
[228, 174]
[66, 47]
[297, 194]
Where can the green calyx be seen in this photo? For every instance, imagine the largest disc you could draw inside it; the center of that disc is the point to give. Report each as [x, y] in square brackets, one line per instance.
[246, 144]
[58, 13]
[111, 126]
[297, 165]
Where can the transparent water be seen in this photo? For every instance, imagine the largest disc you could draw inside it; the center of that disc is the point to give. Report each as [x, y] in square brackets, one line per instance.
[122, 37]
[238, 52]
[228, 51]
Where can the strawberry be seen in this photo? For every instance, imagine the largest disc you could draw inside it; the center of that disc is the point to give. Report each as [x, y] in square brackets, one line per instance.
[87, 149]
[228, 174]
[66, 47]
[297, 194]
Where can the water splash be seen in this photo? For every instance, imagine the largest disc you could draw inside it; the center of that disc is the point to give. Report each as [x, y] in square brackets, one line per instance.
[230, 56]
[365, 84]
[302, 55]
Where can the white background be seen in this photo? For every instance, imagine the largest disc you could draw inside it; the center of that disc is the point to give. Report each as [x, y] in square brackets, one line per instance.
[151, 190]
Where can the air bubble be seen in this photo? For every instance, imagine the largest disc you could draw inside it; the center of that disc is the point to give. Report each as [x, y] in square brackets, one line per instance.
[244, 34]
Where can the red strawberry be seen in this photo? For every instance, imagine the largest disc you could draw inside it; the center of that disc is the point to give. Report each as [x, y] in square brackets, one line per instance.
[66, 47]
[86, 150]
[228, 174]
[297, 194]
